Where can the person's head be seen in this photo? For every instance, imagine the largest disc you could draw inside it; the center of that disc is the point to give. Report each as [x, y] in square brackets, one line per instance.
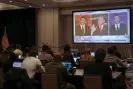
[117, 19]
[101, 20]
[67, 47]
[45, 48]
[18, 46]
[57, 57]
[114, 47]
[111, 50]
[100, 55]
[118, 54]
[50, 51]
[83, 20]
[87, 51]
[26, 50]
[32, 53]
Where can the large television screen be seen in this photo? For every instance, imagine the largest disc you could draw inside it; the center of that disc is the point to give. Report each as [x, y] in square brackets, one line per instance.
[102, 26]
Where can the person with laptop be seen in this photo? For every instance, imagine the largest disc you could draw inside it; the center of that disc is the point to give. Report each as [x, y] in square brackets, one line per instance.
[18, 50]
[45, 55]
[67, 55]
[99, 68]
[57, 67]
[32, 64]
[86, 56]
[112, 58]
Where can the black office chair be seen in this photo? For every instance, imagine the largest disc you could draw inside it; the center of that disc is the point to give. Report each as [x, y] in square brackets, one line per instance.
[18, 79]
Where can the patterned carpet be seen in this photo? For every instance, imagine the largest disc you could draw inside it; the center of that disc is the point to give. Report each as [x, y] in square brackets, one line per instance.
[129, 74]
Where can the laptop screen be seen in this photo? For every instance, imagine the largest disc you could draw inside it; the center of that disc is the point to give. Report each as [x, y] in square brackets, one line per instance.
[67, 65]
[76, 58]
[17, 64]
[92, 53]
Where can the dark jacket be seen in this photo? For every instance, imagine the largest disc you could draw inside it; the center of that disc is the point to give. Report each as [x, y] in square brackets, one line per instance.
[67, 57]
[78, 31]
[103, 32]
[54, 67]
[100, 69]
[121, 31]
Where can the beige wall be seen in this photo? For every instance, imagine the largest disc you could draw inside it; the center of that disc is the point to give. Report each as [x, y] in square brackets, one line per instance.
[54, 26]
[48, 27]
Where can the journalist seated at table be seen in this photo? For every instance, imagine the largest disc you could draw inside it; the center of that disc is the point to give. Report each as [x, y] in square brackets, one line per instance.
[56, 66]
[86, 56]
[45, 55]
[99, 68]
[112, 58]
[18, 50]
[67, 55]
[32, 64]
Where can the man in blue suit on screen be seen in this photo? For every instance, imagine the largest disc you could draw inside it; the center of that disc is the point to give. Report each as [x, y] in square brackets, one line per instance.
[118, 28]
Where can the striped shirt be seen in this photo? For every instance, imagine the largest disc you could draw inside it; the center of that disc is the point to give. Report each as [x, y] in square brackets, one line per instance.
[111, 58]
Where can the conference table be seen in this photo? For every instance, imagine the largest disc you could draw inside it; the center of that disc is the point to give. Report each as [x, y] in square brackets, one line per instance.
[80, 72]
[77, 78]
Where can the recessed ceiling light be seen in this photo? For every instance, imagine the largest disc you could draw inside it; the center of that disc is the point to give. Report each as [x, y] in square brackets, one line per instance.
[29, 6]
[43, 5]
[10, 1]
[25, 0]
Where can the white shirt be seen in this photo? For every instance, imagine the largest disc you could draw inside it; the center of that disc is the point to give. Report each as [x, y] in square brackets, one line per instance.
[30, 64]
[82, 28]
[101, 27]
[117, 26]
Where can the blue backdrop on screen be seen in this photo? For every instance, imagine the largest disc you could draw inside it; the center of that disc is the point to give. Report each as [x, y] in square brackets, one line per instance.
[20, 26]
[123, 18]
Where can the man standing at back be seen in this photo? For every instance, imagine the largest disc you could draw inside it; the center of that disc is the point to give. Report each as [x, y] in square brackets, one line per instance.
[99, 68]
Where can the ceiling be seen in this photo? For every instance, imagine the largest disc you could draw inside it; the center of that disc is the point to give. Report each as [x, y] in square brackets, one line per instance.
[51, 3]
[4, 6]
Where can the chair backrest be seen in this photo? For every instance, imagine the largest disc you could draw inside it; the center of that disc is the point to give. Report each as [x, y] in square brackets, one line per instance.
[83, 64]
[18, 74]
[50, 81]
[92, 82]
[44, 62]
[1, 78]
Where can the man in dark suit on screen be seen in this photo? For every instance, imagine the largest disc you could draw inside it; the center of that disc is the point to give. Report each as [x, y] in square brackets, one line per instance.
[118, 28]
[83, 28]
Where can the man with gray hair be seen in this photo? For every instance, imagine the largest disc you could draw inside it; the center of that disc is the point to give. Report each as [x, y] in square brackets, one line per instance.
[100, 28]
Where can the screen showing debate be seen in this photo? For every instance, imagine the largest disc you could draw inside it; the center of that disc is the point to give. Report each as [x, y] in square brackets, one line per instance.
[105, 26]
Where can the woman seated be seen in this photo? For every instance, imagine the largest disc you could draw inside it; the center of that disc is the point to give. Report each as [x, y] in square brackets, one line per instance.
[86, 56]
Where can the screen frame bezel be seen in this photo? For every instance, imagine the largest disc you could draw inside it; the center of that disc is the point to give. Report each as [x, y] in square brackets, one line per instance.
[130, 11]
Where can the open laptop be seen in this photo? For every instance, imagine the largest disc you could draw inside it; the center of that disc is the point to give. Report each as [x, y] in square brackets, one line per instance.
[17, 64]
[76, 58]
[128, 65]
[67, 65]
[92, 53]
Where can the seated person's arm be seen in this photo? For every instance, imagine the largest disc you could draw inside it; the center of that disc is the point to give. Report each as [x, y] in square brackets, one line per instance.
[40, 67]
[120, 63]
